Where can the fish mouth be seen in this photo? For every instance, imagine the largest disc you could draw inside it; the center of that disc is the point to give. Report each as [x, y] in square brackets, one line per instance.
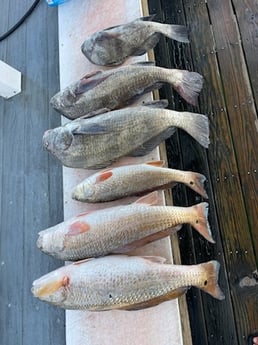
[39, 242]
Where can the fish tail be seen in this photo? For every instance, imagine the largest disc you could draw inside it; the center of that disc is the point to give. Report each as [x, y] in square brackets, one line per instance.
[195, 181]
[188, 85]
[175, 32]
[209, 284]
[200, 220]
[196, 125]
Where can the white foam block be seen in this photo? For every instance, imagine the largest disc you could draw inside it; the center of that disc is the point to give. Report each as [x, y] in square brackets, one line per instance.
[10, 80]
[158, 325]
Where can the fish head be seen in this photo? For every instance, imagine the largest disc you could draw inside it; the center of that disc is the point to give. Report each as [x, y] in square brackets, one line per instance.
[84, 191]
[51, 241]
[57, 139]
[101, 48]
[52, 287]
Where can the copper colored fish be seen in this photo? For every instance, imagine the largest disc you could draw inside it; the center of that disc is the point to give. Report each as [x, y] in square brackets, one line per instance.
[99, 141]
[118, 87]
[124, 282]
[120, 229]
[114, 45]
[116, 183]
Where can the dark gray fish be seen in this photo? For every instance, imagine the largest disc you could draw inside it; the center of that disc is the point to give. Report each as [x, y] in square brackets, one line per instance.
[118, 87]
[99, 141]
[114, 45]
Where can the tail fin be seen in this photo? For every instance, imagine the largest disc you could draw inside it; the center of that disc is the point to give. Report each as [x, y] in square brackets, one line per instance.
[196, 125]
[175, 32]
[195, 181]
[200, 220]
[210, 279]
[189, 86]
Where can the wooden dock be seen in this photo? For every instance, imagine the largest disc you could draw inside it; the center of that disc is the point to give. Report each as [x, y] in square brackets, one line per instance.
[224, 49]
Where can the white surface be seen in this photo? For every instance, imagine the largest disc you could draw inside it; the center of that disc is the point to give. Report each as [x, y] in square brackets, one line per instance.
[10, 80]
[155, 326]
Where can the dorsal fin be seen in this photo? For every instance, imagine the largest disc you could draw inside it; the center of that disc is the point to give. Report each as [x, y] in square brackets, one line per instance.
[144, 63]
[82, 261]
[155, 259]
[161, 103]
[149, 199]
[148, 18]
[156, 163]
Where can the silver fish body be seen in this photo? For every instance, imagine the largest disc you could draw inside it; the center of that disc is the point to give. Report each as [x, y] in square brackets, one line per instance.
[99, 141]
[118, 87]
[114, 45]
[122, 282]
[117, 183]
[120, 229]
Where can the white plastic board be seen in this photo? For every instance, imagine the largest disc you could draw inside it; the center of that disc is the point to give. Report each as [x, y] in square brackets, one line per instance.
[158, 325]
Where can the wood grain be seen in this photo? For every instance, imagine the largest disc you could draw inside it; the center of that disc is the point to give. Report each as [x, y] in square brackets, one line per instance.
[227, 100]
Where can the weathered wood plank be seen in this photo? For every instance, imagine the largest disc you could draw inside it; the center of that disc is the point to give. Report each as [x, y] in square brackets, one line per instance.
[222, 162]
[247, 17]
[227, 186]
[12, 269]
[239, 237]
[240, 104]
[31, 180]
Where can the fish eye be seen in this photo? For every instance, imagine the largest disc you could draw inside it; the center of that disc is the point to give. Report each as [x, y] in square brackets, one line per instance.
[205, 282]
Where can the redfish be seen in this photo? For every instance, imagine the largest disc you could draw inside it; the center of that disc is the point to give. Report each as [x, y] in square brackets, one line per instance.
[118, 87]
[117, 183]
[120, 229]
[99, 141]
[114, 45]
[124, 282]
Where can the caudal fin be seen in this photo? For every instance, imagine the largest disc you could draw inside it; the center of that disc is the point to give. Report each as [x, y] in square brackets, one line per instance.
[189, 85]
[200, 220]
[196, 125]
[209, 284]
[175, 32]
[195, 181]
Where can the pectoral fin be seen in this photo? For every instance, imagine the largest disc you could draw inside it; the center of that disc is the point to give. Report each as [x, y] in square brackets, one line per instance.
[149, 44]
[90, 129]
[149, 145]
[89, 81]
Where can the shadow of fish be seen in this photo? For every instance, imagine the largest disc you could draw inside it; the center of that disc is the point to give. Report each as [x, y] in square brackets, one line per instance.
[111, 184]
[124, 282]
[114, 45]
[99, 141]
[118, 87]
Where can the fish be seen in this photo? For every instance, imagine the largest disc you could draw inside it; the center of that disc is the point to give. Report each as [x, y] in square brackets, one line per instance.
[120, 229]
[124, 282]
[112, 46]
[97, 142]
[116, 183]
[119, 87]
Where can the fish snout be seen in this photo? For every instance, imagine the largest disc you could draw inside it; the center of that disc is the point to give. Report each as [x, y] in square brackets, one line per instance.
[45, 140]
